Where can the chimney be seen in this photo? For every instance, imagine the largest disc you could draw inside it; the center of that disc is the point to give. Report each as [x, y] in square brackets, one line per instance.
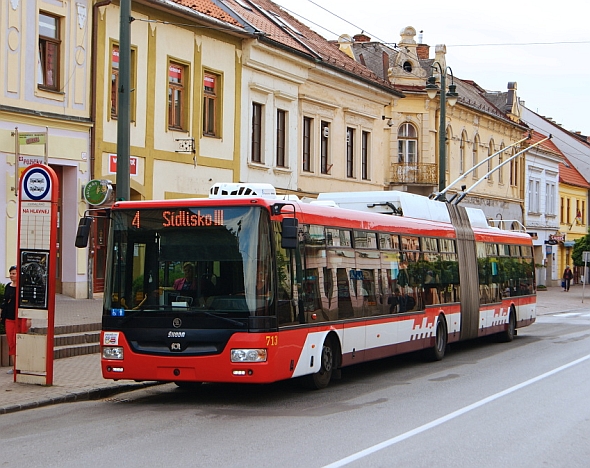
[423, 51]
[362, 37]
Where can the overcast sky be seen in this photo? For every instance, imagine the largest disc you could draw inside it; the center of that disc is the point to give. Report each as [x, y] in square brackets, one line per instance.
[544, 47]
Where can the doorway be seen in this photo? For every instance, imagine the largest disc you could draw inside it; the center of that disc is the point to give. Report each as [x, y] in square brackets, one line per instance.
[58, 258]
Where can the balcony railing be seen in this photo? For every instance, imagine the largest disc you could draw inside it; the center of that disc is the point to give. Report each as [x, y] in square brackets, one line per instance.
[414, 173]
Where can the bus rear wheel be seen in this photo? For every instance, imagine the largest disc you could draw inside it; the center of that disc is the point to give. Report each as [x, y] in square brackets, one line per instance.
[437, 352]
[322, 378]
[508, 335]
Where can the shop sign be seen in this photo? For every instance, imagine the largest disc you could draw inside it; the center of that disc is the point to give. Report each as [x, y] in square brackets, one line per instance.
[113, 165]
[97, 192]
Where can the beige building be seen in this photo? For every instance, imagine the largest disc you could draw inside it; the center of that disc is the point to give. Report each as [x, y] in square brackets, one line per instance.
[476, 128]
[45, 47]
[313, 116]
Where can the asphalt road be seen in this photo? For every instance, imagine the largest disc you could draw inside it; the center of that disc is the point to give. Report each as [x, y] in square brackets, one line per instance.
[486, 404]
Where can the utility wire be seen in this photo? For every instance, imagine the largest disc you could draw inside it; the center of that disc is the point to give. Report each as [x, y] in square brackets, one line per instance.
[518, 44]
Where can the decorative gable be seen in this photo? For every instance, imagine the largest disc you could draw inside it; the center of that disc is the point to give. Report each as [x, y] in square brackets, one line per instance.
[406, 69]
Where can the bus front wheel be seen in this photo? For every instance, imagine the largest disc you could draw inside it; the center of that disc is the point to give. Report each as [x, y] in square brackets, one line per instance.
[321, 379]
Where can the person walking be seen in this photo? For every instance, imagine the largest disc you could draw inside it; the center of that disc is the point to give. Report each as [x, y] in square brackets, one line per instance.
[9, 319]
[568, 276]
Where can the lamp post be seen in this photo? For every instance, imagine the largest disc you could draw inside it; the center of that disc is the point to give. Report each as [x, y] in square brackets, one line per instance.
[124, 92]
[450, 96]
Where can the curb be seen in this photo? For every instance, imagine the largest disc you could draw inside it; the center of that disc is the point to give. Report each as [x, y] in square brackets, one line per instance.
[81, 395]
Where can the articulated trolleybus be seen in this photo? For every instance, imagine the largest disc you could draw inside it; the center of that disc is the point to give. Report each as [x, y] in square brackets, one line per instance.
[249, 287]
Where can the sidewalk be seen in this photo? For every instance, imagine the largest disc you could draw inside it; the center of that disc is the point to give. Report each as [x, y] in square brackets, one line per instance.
[80, 378]
[74, 379]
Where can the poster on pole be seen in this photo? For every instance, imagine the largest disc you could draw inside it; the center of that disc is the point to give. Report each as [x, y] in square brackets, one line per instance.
[34, 266]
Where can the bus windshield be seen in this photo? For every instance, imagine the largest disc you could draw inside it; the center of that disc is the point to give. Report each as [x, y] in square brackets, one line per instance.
[214, 259]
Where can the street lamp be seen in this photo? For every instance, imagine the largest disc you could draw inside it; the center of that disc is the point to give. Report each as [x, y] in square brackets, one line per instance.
[450, 96]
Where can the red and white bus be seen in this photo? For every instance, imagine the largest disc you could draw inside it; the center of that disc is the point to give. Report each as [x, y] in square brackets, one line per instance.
[249, 287]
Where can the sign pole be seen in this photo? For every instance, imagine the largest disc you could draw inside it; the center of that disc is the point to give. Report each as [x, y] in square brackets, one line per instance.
[586, 256]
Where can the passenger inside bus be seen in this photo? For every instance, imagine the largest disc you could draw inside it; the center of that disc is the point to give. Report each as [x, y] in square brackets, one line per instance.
[261, 284]
[188, 282]
[190, 286]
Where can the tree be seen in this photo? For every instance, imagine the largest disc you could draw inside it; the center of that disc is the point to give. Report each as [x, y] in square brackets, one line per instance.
[581, 245]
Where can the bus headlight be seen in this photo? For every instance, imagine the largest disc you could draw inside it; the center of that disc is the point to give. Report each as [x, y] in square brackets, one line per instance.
[112, 352]
[248, 355]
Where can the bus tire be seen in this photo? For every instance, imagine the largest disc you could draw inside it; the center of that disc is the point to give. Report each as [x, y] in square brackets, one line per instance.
[437, 352]
[508, 335]
[322, 378]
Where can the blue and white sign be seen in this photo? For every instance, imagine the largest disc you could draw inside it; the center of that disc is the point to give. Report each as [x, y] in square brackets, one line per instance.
[36, 185]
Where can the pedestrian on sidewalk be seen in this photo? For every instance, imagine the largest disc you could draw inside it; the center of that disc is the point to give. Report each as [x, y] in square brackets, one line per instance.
[568, 276]
[8, 312]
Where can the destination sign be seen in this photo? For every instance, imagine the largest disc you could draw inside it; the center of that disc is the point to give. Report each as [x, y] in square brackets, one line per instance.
[185, 218]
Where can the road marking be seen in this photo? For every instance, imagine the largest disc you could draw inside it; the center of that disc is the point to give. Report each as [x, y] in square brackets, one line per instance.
[437, 422]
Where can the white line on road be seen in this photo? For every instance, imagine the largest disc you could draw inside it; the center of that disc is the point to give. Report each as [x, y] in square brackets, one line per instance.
[437, 422]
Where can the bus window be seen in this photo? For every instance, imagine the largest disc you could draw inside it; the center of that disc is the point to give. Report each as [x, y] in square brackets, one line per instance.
[344, 304]
[338, 237]
[384, 241]
[365, 240]
[487, 265]
[314, 262]
[367, 263]
[449, 278]
[515, 251]
[390, 264]
[411, 248]
[447, 245]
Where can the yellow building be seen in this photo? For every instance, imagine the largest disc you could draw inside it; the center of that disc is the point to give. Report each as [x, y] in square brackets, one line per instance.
[45, 47]
[573, 195]
[185, 104]
[477, 126]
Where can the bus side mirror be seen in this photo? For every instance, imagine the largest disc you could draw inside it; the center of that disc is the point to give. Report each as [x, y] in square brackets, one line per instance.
[83, 232]
[289, 236]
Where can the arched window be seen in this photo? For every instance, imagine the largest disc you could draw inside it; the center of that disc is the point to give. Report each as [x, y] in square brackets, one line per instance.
[407, 144]
[475, 155]
[449, 135]
[500, 161]
[462, 153]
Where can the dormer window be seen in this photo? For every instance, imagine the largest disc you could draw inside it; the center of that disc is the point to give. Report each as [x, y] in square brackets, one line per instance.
[286, 25]
[407, 66]
[243, 5]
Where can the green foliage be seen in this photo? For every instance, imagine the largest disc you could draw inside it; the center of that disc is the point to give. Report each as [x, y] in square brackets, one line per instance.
[581, 245]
